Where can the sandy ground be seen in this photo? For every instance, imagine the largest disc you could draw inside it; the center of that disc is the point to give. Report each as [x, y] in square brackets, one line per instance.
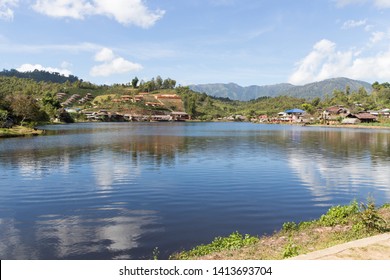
[371, 248]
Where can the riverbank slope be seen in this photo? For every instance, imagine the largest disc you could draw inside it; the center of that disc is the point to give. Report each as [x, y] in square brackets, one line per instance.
[340, 225]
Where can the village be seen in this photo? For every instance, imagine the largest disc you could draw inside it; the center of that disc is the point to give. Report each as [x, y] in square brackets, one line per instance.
[156, 107]
[170, 107]
[334, 115]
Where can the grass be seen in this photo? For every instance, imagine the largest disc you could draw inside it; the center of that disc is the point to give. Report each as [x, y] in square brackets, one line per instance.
[378, 124]
[232, 242]
[339, 225]
[18, 131]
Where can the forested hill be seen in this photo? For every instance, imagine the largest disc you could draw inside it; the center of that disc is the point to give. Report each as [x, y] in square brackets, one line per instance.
[308, 91]
[40, 76]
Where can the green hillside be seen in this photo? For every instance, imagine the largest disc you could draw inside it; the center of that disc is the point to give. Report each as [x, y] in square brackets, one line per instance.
[28, 102]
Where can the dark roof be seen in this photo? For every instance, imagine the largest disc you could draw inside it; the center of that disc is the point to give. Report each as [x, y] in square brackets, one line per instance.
[365, 116]
[336, 109]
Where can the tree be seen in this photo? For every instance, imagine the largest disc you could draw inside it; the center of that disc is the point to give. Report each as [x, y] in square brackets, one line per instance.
[190, 105]
[5, 120]
[64, 116]
[50, 100]
[134, 82]
[25, 107]
[308, 108]
[150, 86]
[347, 90]
[169, 83]
[316, 101]
[159, 82]
[339, 98]
[381, 94]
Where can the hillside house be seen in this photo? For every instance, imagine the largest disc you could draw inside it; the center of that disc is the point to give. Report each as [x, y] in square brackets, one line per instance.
[333, 114]
[381, 113]
[153, 104]
[362, 117]
[179, 116]
[263, 118]
[167, 96]
[366, 117]
[138, 98]
[292, 115]
[126, 98]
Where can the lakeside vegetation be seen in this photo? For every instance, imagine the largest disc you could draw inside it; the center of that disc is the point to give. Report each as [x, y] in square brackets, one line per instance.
[19, 131]
[339, 225]
[39, 97]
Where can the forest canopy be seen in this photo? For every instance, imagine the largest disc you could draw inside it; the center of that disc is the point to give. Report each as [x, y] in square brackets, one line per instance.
[40, 76]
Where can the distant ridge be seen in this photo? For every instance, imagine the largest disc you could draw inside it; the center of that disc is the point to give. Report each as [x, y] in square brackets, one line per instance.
[308, 91]
[40, 76]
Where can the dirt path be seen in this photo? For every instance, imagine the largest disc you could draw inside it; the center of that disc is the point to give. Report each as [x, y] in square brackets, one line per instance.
[371, 248]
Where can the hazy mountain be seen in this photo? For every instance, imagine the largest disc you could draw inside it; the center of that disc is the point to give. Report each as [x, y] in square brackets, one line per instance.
[309, 91]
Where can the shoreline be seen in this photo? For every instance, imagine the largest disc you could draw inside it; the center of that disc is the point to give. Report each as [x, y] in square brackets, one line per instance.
[20, 131]
[354, 126]
[340, 226]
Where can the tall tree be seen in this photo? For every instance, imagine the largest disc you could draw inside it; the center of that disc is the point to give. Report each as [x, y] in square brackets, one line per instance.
[25, 107]
[159, 82]
[134, 82]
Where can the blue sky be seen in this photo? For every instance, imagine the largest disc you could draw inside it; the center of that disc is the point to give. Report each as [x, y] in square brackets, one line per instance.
[199, 41]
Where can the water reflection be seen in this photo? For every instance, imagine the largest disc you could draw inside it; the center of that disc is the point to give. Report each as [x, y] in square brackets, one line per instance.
[110, 169]
[79, 236]
[343, 161]
[117, 191]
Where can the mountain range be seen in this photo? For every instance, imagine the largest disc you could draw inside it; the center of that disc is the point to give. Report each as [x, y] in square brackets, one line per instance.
[308, 91]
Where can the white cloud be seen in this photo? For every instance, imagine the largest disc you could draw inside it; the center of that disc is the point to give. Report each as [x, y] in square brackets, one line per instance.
[128, 12]
[353, 23]
[65, 65]
[124, 11]
[32, 67]
[377, 37]
[112, 64]
[105, 55]
[325, 61]
[63, 8]
[308, 68]
[6, 11]
[381, 4]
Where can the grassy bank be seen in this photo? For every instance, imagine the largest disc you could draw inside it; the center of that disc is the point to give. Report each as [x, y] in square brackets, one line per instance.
[339, 225]
[19, 131]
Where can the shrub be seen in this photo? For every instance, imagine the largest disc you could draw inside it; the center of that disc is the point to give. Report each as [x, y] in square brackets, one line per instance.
[291, 250]
[370, 218]
[289, 226]
[386, 205]
[339, 214]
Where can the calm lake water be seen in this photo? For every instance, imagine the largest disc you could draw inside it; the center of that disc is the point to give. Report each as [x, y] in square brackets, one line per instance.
[119, 190]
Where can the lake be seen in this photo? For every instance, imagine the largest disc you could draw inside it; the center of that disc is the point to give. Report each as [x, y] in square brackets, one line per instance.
[119, 190]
